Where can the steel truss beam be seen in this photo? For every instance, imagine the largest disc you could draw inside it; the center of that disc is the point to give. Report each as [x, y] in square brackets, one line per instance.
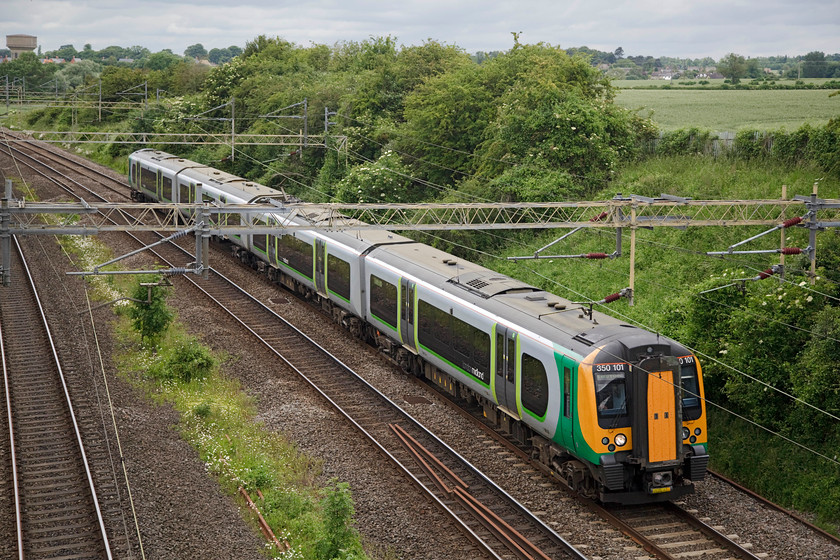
[77, 137]
[21, 217]
[621, 213]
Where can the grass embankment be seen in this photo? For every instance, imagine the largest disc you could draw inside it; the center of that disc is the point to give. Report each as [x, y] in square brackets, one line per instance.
[219, 420]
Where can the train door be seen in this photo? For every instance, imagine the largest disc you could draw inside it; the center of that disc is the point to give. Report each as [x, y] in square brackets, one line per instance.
[506, 371]
[407, 288]
[567, 378]
[657, 427]
[320, 266]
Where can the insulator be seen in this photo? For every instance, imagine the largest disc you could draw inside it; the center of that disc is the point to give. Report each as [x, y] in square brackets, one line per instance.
[599, 217]
[766, 274]
[174, 271]
[178, 235]
[596, 255]
[791, 222]
[791, 251]
[612, 297]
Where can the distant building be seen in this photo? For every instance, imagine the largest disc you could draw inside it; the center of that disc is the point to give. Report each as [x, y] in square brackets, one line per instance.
[20, 44]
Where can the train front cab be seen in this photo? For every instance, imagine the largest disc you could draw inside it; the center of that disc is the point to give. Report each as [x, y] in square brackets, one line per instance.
[642, 418]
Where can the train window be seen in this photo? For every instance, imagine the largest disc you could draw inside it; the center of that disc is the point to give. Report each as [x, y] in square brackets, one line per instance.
[295, 253]
[338, 276]
[261, 240]
[500, 354]
[534, 385]
[166, 189]
[456, 341]
[425, 323]
[383, 300]
[442, 329]
[481, 347]
[148, 179]
[690, 388]
[184, 193]
[610, 390]
[567, 392]
[461, 332]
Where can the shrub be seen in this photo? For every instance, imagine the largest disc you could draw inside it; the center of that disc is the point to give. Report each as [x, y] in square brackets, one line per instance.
[749, 144]
[190, 361]
[148, 311]
[340, 539]
[684, 142]
[202, 410]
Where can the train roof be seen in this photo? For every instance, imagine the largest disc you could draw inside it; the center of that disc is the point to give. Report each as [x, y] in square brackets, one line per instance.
[236, 188]
[543, 313]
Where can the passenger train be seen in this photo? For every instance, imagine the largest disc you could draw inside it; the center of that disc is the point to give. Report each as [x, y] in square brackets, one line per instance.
[616, 411]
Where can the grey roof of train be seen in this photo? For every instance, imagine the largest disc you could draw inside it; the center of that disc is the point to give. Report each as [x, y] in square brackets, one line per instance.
[502, 295]
[522, 303]
[236, 186]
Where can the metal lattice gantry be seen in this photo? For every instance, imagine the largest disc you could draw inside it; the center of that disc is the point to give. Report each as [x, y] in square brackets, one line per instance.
[632, 212]
[22, 217]
[208, 138]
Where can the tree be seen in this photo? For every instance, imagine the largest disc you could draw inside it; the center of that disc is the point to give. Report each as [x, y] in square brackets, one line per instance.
[149, 313]
[218, 56]
[733, 67]
[196, 51]
[75, 75]
[385, 180]
[67, 52]
[814, 65]
[619, 52]
[28, 67]
[162, 60]
[137, 52]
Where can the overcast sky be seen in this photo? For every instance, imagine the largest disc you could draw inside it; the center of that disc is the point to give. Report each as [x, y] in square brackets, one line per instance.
[681, 28]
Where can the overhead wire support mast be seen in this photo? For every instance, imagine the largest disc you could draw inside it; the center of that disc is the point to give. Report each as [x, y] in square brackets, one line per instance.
[537, 254]
[305, 118]
[232, 119]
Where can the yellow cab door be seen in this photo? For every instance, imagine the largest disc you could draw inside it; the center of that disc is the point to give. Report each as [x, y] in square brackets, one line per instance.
[662, 417]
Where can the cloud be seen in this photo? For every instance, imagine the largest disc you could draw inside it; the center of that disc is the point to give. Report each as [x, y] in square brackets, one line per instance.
[642, 27]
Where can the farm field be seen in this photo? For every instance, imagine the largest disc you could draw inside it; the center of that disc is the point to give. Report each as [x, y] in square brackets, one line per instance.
[732, 110]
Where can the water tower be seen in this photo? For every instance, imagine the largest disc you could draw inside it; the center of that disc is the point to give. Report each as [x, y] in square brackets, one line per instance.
[19, 44]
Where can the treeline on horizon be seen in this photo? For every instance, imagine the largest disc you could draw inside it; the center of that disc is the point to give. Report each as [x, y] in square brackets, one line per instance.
[815, 64]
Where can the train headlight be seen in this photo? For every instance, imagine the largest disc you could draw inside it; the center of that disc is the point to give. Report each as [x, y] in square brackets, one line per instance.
[697, 431]
[620, 440]
[685, 433]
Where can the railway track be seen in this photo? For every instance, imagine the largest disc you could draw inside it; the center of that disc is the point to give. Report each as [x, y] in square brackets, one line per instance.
[664, 531]
[56, 509]
[345, 390]
[38, 155]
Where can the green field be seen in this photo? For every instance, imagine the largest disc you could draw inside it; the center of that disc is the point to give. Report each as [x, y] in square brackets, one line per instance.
[732, 110]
